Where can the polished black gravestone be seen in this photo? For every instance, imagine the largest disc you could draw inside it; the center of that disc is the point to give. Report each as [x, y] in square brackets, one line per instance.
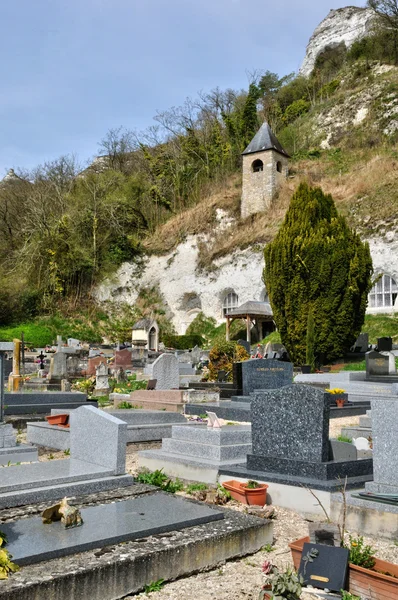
[384, 344]
[30, 541]
[262, 374]
[377, 364]
[290, 438]
[324, 567]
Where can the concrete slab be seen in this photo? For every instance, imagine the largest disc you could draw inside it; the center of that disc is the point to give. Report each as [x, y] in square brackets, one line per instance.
[29, 541]
[126, 568]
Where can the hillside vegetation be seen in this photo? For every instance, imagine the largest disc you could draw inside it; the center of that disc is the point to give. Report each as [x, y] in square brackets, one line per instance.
[64, 229]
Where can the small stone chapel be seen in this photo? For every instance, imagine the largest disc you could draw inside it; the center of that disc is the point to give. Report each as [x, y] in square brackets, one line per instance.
[265, 165]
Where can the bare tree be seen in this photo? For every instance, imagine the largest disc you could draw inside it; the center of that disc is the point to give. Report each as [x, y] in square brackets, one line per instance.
[117, 146]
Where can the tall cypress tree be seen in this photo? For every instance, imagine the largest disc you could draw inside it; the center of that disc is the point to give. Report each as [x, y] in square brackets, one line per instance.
[316, 262]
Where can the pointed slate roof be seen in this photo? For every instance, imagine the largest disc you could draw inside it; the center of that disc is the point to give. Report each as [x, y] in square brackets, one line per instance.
[265, 139]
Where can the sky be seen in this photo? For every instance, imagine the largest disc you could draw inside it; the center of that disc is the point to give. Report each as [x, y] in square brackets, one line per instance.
[73, 69]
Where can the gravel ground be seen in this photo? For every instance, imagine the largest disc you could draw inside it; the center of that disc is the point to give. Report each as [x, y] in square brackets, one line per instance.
[241, 579]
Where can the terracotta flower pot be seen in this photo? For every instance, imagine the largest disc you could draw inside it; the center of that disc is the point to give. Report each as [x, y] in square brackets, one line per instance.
[58, 419]
[340, 402]
[256, 496]
[236, 490]
[381, 582]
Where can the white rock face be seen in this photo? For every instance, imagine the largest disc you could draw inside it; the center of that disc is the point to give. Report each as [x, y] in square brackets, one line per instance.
[186, 291]
[342, 25]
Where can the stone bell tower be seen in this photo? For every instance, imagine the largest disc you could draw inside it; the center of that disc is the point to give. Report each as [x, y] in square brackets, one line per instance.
[265, 166]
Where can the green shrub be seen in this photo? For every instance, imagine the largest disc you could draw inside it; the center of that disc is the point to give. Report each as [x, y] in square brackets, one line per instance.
[183, 342]
[294, 110]
[223, 355]
[317, 261]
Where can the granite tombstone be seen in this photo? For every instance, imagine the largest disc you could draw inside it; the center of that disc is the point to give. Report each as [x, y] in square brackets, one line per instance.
[290, 433]
[361, 343]
[385, 446]
[384, 344]
[377, 364]
[264, 374]
[165, 371]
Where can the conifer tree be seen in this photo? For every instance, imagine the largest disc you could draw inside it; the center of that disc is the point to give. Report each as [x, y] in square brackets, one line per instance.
[317, 262]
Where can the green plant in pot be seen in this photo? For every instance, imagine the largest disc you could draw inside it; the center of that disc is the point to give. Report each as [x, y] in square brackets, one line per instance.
[280, 585]
[256, 493]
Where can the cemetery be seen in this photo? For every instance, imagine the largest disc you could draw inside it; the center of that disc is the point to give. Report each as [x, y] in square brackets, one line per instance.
[175, 474]
[269, 441]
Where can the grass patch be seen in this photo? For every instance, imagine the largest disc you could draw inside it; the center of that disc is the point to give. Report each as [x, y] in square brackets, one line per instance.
[344, 438]
[381, 326]
[196, 487]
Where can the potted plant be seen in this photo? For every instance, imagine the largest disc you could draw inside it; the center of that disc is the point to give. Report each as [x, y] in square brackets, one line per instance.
[61, 419]
[236, 490]
[338, 396]
[367, 576]
[280, 584]
[256, 493]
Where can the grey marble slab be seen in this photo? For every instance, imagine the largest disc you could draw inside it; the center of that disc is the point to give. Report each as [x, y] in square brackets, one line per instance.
[30, 541]
[48, 473]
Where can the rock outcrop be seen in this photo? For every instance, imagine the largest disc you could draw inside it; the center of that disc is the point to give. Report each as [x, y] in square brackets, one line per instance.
[342, 25]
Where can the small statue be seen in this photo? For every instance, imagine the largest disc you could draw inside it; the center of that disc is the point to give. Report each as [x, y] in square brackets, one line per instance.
[68, 515]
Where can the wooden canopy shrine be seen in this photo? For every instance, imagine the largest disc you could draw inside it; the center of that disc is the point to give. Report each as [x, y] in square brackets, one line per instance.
[259, 313]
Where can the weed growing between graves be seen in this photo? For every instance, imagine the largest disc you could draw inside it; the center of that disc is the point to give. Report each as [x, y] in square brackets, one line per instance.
[125, 405]
[348, 596]
[267, 548]
[67, 452]
[283, 584]
[154, 586]
[161, 480]
[344, 438]
[223, 493]
[196, 487]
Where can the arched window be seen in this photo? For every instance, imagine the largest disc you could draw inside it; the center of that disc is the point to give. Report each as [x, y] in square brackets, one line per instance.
[279, 166]
[264, 296]
[152, 339]
[257, 166]
[383, 293]
[231, 300]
